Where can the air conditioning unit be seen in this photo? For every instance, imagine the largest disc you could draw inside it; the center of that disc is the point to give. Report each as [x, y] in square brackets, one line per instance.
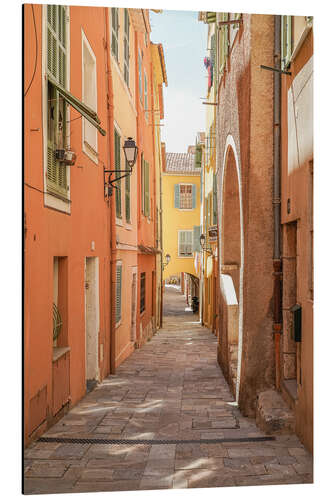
[66, 157]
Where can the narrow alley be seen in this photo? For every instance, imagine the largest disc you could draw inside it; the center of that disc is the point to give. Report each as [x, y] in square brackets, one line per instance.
[166, 420]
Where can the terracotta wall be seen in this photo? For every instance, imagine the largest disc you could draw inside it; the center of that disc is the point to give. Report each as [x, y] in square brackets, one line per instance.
[245, 127]
[297, 187]
[85, 232]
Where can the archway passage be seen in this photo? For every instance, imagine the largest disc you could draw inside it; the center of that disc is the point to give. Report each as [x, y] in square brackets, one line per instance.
[228, 349]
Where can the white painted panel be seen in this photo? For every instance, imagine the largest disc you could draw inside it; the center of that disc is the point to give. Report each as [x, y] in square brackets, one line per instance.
[300, 118]
[228, 289]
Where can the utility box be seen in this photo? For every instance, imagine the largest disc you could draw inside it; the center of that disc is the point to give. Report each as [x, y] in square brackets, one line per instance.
[297, 312]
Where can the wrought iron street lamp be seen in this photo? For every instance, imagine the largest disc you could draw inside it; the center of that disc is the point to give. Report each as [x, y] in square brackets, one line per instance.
[167, 260]
[202, 244]
[131, 152]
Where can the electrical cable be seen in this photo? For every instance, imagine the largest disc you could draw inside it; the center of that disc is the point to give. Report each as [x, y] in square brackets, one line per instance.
[33, 76]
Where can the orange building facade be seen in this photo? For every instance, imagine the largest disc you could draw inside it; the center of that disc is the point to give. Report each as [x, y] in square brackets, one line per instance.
[85, 245]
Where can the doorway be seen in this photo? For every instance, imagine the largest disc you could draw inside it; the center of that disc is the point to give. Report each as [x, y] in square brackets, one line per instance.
[91, 283]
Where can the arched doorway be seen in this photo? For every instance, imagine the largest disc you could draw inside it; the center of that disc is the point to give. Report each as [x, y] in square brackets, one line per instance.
[231, 269]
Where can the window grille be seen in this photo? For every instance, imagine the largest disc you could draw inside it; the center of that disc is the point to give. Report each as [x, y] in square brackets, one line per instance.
[186, 196]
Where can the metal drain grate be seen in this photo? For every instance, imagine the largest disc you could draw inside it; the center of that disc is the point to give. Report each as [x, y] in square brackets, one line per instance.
[153, 441]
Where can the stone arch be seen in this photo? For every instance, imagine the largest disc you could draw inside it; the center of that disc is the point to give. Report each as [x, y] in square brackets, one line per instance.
[231, 266]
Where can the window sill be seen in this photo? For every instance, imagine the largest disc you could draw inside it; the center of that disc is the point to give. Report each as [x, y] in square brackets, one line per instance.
[89, 151]
[58, 352]
[57, 202]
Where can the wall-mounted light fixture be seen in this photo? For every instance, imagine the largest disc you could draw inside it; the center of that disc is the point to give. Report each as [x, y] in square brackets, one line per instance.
[131, 153]
[167, 260]
[202, 244]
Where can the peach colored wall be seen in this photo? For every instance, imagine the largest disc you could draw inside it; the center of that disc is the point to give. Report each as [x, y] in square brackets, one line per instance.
[146, 225]
[126, 232]
[52, 233]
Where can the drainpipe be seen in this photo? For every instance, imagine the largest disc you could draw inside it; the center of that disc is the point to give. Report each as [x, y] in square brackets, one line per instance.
[161, 243]
[112, 199]
[277, 262]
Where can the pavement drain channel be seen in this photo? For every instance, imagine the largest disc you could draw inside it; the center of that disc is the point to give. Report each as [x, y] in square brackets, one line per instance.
[154, 441]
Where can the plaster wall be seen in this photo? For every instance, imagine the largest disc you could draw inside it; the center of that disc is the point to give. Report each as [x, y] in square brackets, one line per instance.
[245, 113]
[49, 232]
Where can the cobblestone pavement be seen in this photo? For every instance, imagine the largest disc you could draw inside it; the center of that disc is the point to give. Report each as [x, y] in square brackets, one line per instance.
[171, 388]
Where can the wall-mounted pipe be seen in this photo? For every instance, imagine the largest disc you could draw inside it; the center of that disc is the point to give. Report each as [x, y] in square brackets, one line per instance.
[277, 262]
[112, 199]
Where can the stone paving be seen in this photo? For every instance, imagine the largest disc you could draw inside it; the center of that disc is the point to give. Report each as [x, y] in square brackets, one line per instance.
[171, 388]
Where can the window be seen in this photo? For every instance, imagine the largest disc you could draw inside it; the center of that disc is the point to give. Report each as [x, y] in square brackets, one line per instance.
[142, 292]
[214, 200]
[146, 96]
[223, 41]
[118, 291]
[185, 243]
[117, 168]
[126, 46]
[286, 27]
[145, 192]
[140, 74]
[114, 31]
[57, 178]
[185, 195]
[89, 97]
[128, 196]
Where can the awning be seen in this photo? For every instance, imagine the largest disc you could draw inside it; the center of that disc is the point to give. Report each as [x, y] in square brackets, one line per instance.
[88, 113]
[149, 250]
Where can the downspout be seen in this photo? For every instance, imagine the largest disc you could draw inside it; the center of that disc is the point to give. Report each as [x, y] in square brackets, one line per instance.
[161, 244]
[277, 262]
[112, 199]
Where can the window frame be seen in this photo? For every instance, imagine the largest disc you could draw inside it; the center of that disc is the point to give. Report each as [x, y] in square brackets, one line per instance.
[126, 46]
[182, 197]
[178, 243]
[114, 26]
[116, 137]
[145, 90]
[140, 74]
[91, 150]
[58, 199]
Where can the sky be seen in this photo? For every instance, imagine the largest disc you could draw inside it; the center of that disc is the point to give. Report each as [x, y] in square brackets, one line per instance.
[184, 43]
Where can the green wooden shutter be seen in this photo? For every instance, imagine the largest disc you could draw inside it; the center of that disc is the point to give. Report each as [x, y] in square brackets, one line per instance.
[196, 239]
[140, 74]
[214, 201]
[181, 242]
[213, 49]
[146, 185]
[201, 185]
[117, 168]
[57, 181]
[118, 292]
[177, 196]
[198, 156]
[211, 17]
[194, 196]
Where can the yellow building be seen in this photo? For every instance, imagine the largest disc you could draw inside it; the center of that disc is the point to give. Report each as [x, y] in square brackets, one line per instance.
[181, 213]
[157, 113]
